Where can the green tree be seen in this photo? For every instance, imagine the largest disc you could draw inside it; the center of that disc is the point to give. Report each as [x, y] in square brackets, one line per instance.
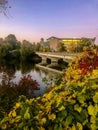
[38, 47]
[26, 49]
[85, 42]
[3, 50]
[12, 41]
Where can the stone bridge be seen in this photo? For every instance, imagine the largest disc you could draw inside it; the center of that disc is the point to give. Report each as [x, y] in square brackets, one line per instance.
[54, 57]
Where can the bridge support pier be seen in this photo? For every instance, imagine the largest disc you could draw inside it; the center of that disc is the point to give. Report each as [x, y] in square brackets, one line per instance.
[54, 62]
[44, 61]
[53, 59]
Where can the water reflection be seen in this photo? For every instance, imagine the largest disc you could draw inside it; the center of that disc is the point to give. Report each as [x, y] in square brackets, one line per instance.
[17, 69]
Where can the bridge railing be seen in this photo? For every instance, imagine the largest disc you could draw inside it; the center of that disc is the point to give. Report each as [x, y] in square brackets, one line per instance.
[58, 53]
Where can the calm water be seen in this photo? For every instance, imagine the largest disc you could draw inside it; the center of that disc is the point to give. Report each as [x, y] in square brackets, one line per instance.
[37, 74]
[18, 70]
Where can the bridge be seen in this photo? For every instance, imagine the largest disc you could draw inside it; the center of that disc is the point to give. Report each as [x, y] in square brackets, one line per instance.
[54, 57]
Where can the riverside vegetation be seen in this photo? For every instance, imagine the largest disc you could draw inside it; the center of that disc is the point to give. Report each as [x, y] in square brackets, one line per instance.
[71, 104]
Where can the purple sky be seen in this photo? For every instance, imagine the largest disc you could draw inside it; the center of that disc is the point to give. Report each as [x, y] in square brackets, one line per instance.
[33, 19]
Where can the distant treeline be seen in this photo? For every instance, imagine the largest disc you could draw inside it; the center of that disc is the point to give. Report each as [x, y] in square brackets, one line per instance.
[11, 48]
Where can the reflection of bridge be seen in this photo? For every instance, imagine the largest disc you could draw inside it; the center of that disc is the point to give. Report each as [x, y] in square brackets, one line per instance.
[54, 57]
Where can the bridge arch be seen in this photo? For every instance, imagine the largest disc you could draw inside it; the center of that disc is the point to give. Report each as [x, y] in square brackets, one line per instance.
[52, 58]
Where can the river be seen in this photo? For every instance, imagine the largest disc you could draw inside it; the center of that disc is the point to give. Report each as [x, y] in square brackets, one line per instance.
[37, 72]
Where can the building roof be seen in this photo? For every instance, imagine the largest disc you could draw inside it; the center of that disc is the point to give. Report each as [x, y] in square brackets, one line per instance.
[70, 38]
[65, 39]
[52, 37]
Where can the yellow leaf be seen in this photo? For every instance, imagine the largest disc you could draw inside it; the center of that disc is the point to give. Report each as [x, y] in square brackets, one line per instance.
[95, 97]
[91, 110]
[93, 119]
[95, 73]
[41, 128]
[48, 108]
[79, 125]
[18, 105]
[93, 127]
[27, 114]
[73, 127]
[17, 119]
[43, 120]
[61, 108]
[52, 117]
[11, 121]
[77, 108]
[3, 126]
[13, 113]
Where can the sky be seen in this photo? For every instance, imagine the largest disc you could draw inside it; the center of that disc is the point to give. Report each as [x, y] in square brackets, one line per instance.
[35, 19]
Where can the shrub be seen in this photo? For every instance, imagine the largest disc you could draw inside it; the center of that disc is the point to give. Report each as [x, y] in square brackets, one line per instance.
[72, 105]
[10, 92]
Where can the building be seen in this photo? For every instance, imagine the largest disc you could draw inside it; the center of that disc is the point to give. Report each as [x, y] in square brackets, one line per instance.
[53, 42]
[68, 42]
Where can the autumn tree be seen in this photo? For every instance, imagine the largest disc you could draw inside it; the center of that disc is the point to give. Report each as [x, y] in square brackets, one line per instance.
[60, 47]
[72, 47]
[85, 42]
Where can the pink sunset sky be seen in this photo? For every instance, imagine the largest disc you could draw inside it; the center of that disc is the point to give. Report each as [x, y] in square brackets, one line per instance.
[34, 19]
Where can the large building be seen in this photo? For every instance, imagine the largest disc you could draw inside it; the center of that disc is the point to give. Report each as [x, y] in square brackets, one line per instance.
[54, 41]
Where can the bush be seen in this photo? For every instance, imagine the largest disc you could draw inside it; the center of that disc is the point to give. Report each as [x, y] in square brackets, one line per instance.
[10, 92]
[72, 105]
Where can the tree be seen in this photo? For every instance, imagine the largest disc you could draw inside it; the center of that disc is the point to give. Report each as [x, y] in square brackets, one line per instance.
[3, 50]
[4, 6]
[38, 47]
[12, 41]
[60, 47]
[85, 42]
[72, 47]
[26, 49]
[1, 40]
[42, 40]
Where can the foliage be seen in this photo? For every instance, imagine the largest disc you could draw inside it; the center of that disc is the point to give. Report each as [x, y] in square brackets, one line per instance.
[26, 50]
[71, 105]
[9, 47]
[82, 65]
[14, 54]
[60, 47]
[4, 49]
[26, 86]
[72, 47]
[38, 47]
[85, 42]
[89, 61]
[58, 79]
[12, 41]
[10, 91]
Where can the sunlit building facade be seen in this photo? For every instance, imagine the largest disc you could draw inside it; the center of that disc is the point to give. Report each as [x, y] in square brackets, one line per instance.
[68, 42]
